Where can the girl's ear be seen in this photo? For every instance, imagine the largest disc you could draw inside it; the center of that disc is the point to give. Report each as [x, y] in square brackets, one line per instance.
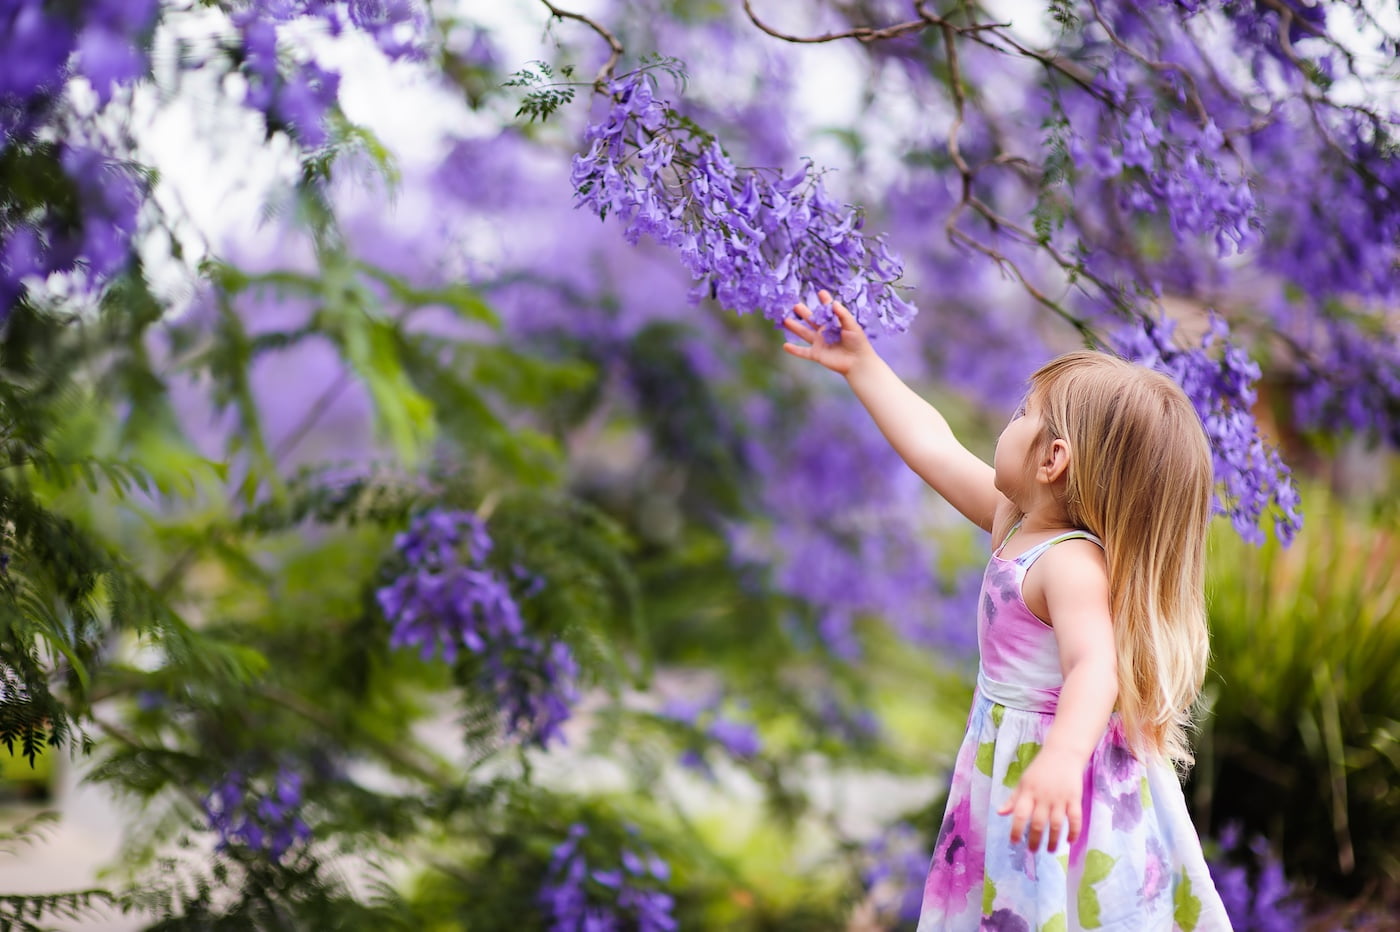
[1055, 463]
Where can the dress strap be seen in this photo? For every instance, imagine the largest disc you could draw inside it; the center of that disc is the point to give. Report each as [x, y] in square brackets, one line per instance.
[1014, 528]
[1030, 556]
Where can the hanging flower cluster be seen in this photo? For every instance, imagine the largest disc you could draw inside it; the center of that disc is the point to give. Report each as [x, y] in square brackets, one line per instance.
[752, 240]
[580, 898]
[449, 598]
[1250, 477]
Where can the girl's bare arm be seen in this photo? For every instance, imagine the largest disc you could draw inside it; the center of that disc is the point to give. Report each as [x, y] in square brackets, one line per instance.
[915, 428]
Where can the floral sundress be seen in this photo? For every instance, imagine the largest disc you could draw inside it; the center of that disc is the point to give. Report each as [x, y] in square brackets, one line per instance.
[1137, 865]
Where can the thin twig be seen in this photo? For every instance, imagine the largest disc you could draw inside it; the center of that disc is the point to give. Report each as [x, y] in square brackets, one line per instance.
[615, 47]
[860, 33]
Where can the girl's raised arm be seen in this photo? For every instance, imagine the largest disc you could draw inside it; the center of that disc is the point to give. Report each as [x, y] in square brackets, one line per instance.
[915, 428]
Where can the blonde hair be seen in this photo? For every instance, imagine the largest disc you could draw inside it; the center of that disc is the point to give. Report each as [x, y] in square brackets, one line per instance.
[1139, 478]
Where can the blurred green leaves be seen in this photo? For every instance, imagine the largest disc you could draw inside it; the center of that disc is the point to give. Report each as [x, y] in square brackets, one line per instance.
[1301, 743]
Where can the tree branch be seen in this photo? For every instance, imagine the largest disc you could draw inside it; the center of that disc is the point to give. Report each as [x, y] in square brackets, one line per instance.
[615, 47]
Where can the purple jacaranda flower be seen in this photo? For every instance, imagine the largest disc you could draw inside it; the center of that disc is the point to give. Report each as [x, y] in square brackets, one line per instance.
[1250, 477]
[247, 813]
[35, 46]
[448, 598]
[1252, 885]
[396, 25]
[752, 241]
[896, 872]
[576, 897]
[108, 58]
[739, 739]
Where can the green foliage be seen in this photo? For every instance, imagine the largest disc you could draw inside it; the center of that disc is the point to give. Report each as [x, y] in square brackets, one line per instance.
[1052, 200]
[33, 913]
[1303, 741]
[545, 96]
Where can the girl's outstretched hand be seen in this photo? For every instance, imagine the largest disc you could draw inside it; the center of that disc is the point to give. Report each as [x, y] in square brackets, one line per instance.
[840, 356]
[1047, 799]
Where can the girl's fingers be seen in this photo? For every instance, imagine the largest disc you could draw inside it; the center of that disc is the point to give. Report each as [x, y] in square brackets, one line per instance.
[1076, 822]
[802, 352]
[1055, 826]
[1037, 832]
[1021, 806]
[847, 319]
[803, 331]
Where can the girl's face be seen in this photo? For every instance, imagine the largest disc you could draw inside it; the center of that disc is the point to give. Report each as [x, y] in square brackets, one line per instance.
[1012, 460]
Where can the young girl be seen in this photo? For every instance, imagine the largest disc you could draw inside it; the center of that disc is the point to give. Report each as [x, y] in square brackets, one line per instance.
[1065, 811]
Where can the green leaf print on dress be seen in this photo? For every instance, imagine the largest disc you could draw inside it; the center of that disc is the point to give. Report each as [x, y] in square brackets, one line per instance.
[1097, 865]
[1055, 923]
[1188, 905]
[1025, 753]
[989, 896]
[985, 753]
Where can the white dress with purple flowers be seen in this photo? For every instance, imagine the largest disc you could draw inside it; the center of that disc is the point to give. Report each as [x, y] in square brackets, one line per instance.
[1137, 865]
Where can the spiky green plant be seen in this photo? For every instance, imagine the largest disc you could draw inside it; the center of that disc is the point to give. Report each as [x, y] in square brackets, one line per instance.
[1303, 740]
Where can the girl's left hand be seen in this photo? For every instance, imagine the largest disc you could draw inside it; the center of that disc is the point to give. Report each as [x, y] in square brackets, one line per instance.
[1049, 794]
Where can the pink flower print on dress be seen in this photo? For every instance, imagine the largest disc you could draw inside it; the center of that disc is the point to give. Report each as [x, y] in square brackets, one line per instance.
[1155, 875]
[957, 860]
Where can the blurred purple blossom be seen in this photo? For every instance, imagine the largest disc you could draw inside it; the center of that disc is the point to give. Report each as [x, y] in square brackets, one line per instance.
[739, 739]
[1251, 882]
[849, 532]
[448, 597]
[629, 895]
[1356, 382]
[897, 867]
[397, 26]
[262, 816]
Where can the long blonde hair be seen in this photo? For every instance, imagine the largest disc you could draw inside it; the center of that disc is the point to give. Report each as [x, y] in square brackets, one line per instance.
[1140, 479]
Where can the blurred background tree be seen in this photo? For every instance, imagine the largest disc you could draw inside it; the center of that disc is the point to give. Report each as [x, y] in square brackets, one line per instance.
[419, 551]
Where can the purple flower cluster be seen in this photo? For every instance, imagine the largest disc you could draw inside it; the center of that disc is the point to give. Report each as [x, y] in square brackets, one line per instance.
[750, 240]
[397, 26]
[897, 868]
[577, 898]
[300, 96]
[739, 739]
[1181, 172]
[1250, 476]
[298, 99]
[97, 240]
[247, 814]
[1356, 383]
[448, 597]
[42, 47]
[1321, 208]
[1258, 897]
[848, 536]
